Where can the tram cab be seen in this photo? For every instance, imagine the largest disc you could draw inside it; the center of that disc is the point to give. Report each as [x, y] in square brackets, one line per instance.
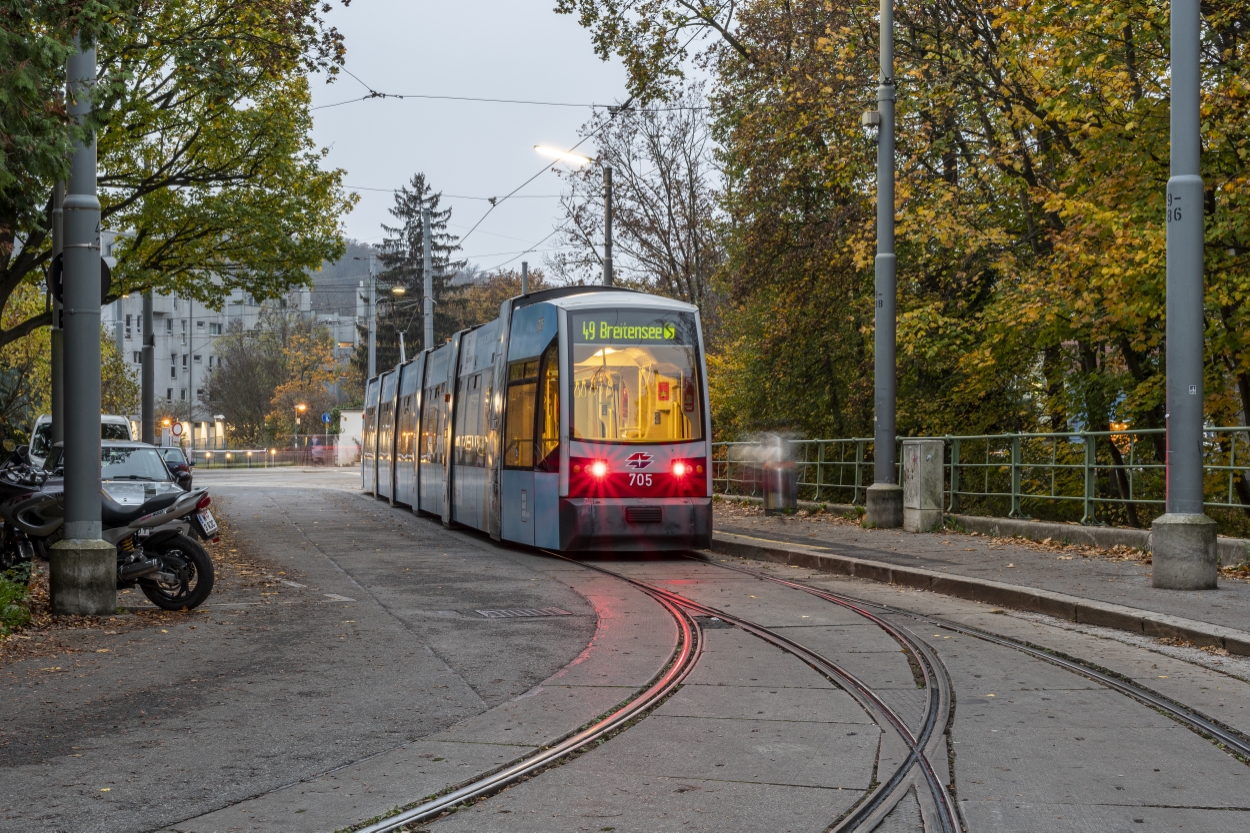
[577, 420]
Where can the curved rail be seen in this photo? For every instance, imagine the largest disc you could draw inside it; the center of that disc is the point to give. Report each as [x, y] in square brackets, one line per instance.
[869, 812]
[678, 668]
[1233, 741]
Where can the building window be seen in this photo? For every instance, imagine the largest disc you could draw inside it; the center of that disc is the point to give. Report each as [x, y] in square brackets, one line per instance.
[138, 357]
[214, 329]
[198, 360]
[184, 361]
[183, 394]
[169, 325]
[199, 324]
[199, 394]
[169, 394]
[210, 362]
[173, 372]
[129, 334]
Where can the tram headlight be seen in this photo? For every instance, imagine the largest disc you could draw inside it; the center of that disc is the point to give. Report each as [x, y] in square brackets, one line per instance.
[599, 468]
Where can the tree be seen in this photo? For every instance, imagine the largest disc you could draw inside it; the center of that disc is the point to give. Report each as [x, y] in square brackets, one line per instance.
[119, 384]
[402, 264]
[204, 149]
[664, 201]
[478, 302]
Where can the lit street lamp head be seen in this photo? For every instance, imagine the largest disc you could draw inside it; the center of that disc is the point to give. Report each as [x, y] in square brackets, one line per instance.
[398, 290]
[562, 155]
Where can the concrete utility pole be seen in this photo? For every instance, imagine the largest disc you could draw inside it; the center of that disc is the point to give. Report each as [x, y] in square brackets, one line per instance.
[191, 368]
[1184, 538]
[373, 319]
[525, 278]
[147, 376]
[58, 316]
[83, 569]
[884, 502]
[427, 273]
[607, 227]
[402, 358]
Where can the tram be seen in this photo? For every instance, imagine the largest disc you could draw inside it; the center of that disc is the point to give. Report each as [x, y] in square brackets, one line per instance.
[575, 421]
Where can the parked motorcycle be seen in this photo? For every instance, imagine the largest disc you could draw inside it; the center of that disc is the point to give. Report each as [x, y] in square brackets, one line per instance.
[151, 520]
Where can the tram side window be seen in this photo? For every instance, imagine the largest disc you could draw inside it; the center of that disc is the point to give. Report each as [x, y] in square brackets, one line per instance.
[403, 443]
[388, 429]
[549, 415]
[370, 427]
[431, 427]
[519, 429]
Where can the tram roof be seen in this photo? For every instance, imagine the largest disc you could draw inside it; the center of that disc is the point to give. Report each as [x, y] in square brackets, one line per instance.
[570, 296]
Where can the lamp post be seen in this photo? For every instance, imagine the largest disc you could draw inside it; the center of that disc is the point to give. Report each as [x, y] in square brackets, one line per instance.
[1183, 539]
[884, 502]
[299, 411]
[427, 275]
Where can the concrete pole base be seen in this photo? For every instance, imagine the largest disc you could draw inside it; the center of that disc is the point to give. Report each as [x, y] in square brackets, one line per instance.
[884, 506]
[922, 520]
[1183, 551]
[82, 579]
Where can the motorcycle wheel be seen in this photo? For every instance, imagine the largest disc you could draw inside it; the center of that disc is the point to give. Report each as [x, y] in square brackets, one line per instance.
[189, 563]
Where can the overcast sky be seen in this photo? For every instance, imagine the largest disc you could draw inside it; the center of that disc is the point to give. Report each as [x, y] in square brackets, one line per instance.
[515, 49]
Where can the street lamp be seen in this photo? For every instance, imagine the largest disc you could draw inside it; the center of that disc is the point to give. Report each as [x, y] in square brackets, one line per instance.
[398, 290]
[884, 503]
[299, 411]
[563, 155]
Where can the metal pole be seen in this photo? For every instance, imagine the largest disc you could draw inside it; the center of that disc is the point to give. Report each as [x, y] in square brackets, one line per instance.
[1184, 538]
[402, 357]
[147, 376]
[885, 501]
[373, 319]
[607, 227]
[427, 274]
[83, 572]
[58, 318]
[525, 278]
[191, 368]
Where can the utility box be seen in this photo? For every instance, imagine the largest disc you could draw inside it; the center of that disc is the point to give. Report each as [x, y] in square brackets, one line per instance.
[781, 488]
[922, 485]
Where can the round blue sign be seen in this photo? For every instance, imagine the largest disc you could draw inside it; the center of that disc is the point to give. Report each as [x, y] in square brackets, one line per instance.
[325, 418]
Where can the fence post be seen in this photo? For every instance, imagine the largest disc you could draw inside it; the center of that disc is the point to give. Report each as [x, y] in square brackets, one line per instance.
[954, 503]
[820, 468]
[1015, 478]
[1091, 483]
[859, 477]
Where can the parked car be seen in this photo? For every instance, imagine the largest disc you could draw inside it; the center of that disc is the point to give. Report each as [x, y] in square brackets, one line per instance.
[178, 463]
[112, 427]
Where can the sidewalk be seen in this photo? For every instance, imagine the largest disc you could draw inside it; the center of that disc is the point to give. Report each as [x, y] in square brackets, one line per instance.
[1082, 583]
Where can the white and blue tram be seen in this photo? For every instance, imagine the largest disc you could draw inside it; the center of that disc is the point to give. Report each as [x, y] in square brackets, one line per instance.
[575, 421]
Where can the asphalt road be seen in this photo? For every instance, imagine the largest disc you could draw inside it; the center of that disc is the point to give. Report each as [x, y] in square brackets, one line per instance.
[376, 682]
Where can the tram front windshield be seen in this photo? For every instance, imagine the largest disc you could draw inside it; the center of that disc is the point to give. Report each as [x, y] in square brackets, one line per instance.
[636, 376]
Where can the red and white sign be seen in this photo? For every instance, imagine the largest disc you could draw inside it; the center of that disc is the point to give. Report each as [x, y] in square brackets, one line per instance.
[638, 460]
[177, 429]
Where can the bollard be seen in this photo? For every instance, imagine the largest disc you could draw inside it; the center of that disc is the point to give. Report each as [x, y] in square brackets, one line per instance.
[781, 488]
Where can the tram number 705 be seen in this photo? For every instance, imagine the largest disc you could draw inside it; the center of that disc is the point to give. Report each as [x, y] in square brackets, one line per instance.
[640, 480]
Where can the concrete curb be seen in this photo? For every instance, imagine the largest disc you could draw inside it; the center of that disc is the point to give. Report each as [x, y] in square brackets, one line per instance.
[1230, 550]
[1061, 605]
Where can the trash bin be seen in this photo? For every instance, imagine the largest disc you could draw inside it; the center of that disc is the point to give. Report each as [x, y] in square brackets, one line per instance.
[781, 488]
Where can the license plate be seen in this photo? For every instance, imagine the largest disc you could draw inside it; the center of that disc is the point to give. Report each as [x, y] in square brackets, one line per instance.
[206, 522]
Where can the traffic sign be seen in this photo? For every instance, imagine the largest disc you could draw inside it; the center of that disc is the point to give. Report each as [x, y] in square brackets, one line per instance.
[177, 429]
[325, 418]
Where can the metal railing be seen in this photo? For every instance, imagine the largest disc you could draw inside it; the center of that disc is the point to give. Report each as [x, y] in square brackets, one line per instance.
[1094, 477]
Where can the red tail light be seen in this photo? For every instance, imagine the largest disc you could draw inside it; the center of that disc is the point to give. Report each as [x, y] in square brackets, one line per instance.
[203, 502]
[599, 468]
[680, 468]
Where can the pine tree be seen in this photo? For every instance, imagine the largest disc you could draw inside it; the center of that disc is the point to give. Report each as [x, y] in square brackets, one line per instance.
[401, 264]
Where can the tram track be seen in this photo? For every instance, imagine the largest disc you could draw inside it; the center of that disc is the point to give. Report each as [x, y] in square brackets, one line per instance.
[670, 678]
[1229, 740]
[937, 807]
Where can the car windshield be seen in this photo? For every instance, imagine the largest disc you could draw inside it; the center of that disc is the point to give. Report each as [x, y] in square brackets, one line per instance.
[41, 443]
[174, 455]
[132, 464]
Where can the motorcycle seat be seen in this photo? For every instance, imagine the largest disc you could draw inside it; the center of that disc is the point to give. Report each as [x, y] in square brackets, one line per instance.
[114, 514]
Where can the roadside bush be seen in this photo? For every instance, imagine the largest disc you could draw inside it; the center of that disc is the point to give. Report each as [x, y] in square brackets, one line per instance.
[14, 599]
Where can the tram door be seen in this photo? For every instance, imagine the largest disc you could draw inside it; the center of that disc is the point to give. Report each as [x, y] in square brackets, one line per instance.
[369, 440]
[530, 464]
[432, 453]
[386, 436]
[406, 431]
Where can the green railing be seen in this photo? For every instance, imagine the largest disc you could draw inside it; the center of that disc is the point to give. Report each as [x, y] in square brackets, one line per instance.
[1094, 477]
